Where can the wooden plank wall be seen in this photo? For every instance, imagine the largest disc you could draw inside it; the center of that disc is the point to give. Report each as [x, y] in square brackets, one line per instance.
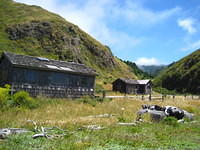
[52, 91]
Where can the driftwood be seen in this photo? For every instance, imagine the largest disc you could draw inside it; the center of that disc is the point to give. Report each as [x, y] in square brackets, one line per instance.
[39, 135]
[8, 131]
[102, 116]
[126, 124]
[48, 133]
[94, 127]
[39, 132]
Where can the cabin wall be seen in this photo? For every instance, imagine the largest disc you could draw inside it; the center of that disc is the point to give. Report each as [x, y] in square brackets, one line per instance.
[131, 88]
[5, 69]
[148, 88]
[119, 86]
[51, 84]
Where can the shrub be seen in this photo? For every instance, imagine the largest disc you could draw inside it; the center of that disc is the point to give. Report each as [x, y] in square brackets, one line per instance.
[121, 119]
[22, 99]
[164, 90]
[4, 96]
[88, 100]
[171, 121]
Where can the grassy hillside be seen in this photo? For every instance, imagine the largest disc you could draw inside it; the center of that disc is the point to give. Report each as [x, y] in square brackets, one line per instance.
[152, 70]
[34, 31]
[182, 76]
[137, 71]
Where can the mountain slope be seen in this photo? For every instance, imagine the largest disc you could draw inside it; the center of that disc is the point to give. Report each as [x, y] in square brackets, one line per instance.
[152, 70]
[182, 76]
[34, 31]
[137, 71]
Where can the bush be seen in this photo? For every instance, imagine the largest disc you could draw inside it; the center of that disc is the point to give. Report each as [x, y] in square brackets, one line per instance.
[121, 119]
[22, 99]
[4, 96]
[164, 91]
[88, 100]
[171, 121]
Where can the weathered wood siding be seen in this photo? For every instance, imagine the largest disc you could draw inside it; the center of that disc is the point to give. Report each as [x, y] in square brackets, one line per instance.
[5, 69]
[47, 83]
[120, 86]
[131, 89]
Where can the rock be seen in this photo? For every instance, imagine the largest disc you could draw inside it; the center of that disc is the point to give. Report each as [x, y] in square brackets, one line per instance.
[188, 115]
[75, 41]
[157, 116]
[158, 113]
[31, 29]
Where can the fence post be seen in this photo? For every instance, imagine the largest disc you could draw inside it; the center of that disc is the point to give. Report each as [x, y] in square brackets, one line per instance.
[163, 97]
[173, 96]
[11, 90]
[104, 94]
[142, 97]
[150, 97]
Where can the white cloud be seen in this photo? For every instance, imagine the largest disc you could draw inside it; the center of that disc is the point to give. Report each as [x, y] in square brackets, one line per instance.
[147, 61]
[188, 25]
[135, 13]
[192, 46]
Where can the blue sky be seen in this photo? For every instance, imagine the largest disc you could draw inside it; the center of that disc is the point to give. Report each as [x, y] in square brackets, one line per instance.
[144, 31]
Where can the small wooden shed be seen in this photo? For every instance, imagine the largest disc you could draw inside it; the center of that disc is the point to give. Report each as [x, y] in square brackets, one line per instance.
[42, 76]
[131, 86]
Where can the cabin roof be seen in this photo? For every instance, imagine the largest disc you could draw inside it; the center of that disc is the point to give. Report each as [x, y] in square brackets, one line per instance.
[131, 81]
[48, 64]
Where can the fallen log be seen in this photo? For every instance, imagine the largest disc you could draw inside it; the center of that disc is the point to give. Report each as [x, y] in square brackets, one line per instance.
[101, 116]
[94, 127]
[8, 131]
[126, 124]
[39, 135]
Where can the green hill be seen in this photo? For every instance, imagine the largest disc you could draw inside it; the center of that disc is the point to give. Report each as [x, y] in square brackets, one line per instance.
[152, 70]
[34, 31]
[137, 71]
[182, 76]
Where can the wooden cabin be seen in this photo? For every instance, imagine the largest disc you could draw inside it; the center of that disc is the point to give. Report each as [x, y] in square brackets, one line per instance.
[131, 86]
[42, 76]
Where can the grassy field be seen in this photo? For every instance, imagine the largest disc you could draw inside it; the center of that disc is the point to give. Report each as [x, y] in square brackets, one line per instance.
[73, 116]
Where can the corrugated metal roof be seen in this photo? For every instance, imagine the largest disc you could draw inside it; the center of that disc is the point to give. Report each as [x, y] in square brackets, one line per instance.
[131, 81]
[143, 81]
[48, 64]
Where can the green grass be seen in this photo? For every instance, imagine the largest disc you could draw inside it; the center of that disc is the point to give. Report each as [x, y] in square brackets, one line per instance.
[72, 116]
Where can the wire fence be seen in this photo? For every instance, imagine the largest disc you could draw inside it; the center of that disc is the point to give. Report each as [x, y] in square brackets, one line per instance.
[149, 97]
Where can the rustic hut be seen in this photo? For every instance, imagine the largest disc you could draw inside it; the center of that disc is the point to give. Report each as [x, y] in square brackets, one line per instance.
[42, 76]
[131, 86]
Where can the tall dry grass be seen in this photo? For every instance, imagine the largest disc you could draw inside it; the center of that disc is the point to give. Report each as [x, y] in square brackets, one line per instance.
[71, 113]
